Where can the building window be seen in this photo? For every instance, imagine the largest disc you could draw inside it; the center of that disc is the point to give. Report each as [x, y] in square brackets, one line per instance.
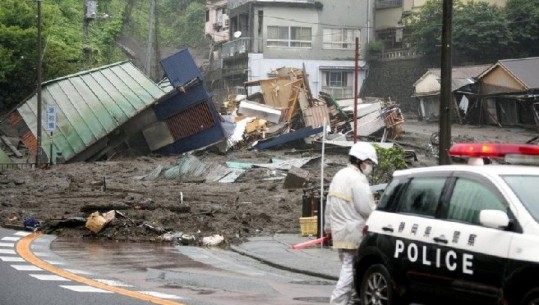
[340, 38]
[338, 84]
[381, 4]
[392, 38]
[289, 36]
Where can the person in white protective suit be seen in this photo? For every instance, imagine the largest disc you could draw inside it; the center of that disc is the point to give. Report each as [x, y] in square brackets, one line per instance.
[349, 204]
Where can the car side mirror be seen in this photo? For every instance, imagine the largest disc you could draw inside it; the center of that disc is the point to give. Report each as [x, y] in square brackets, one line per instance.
[494, 219]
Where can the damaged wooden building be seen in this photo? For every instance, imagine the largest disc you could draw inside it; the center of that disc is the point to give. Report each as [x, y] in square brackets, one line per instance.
[505, 93]
[117, 110]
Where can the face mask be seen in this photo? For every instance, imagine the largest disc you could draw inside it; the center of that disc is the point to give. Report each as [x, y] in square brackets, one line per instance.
[367, 170]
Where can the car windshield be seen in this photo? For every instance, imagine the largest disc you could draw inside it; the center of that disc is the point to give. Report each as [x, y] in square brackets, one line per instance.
[525, 187]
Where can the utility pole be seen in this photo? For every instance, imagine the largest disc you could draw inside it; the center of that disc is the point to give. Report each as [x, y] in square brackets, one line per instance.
[39, 77]
[356, 59]
[149, 47]
[445, 92]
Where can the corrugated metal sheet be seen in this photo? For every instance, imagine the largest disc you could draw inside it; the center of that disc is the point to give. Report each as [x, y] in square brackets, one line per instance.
[90, 105]
[180, 68]
[316, 116]
[190, 166]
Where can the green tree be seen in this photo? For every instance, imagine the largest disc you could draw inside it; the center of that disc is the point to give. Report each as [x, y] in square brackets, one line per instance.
[65, 41]
[523, 16]
[424, 28]
[187, 28]
[480, 30]
[17, 50]
[62, 38]
[389, 160]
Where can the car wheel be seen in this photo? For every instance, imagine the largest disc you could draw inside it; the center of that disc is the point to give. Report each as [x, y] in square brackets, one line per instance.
[376, 287]
[532, 297]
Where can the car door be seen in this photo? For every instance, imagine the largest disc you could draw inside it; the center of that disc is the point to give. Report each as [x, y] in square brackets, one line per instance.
[471, 258]
[407, 226]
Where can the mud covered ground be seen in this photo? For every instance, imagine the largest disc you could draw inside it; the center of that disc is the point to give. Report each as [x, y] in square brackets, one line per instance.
[63, 196]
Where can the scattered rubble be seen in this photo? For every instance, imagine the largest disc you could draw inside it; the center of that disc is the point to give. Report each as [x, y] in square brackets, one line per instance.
[285, 111]
[185, 209]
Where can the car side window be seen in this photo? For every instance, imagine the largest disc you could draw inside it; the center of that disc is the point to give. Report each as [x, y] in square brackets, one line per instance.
[422, 196]
[389, 194]
[469, 198]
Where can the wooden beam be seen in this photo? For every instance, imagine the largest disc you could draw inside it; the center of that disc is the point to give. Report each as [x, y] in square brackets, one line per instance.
[11, 146]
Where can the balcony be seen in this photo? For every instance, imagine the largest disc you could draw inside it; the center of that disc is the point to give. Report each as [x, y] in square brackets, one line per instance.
[236, 47]
[232, 4]
[381, 4]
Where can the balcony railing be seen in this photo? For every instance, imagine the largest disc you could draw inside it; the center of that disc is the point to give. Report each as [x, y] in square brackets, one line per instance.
[235, 3]
[235, 47]
[388, 3]
[399, 54]
[339, 92]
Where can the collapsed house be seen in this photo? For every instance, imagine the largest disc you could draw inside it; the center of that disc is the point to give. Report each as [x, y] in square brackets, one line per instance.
[427, 89]
[285, 110]
[503, 94]
[117, 110]
[509, 94]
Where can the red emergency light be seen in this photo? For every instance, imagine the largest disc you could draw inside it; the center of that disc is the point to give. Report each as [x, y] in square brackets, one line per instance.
[492, 150]
[513, 153]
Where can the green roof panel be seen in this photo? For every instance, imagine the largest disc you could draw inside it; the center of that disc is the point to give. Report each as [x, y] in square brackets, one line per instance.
[90, 105]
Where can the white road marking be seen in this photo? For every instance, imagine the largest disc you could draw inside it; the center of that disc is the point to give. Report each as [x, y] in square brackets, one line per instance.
[11, 259]
[84, 289]
[48, 277]
[161, 295]
[22, 233]
[11, 238]
[113, 283]
[7, 245]
[26, 268]
[7, 251]
[76, 271]
[55, 262]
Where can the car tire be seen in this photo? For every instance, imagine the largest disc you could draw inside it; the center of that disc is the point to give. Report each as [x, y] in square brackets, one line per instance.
[532, 297]
[377, 287]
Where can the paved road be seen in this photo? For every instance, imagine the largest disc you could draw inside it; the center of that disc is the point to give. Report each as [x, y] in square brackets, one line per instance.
[23, 282]
[124, 271]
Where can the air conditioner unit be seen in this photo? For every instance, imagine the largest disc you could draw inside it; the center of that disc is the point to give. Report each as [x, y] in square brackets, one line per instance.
[218, 25]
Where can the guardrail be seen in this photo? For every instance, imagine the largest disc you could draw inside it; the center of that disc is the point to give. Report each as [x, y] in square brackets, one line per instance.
[232, 4]
[17, 166]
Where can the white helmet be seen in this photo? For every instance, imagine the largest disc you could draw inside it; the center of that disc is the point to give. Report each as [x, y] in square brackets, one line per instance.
[364, 151]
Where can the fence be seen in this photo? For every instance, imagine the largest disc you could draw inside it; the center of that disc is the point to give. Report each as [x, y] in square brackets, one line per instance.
[17, 166]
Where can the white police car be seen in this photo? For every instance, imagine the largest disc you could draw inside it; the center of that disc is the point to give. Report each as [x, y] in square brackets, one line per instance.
[457, 234]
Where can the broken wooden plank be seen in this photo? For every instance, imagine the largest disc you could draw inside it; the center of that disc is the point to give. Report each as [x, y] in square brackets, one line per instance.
[11, 146]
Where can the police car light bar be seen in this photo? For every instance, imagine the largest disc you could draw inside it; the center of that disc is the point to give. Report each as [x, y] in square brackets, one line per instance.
[496, 150]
